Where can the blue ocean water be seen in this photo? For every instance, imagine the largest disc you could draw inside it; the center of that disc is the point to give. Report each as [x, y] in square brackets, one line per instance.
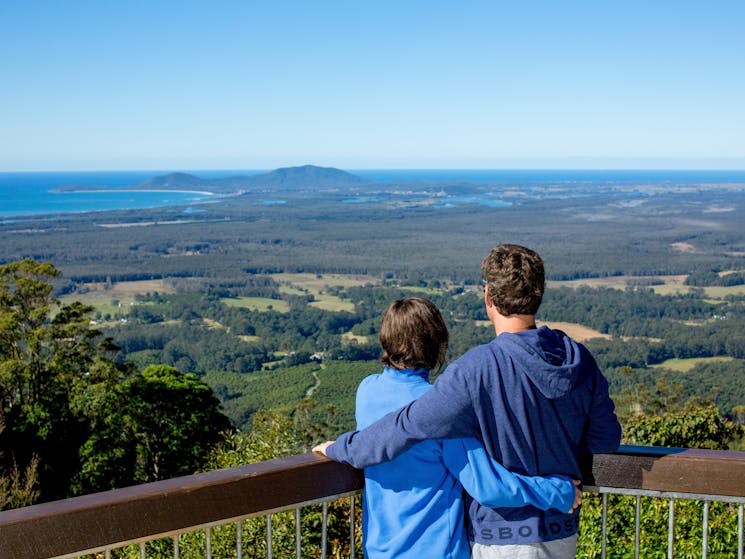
[26, 194]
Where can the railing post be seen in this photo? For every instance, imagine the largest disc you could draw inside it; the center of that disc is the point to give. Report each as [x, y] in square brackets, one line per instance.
[604, 530]
[239, 540]
[298, 535]
[268, 536]
[670, 528]
[352, 543]
[740, 531]
[705, 536]
[637, 526]
[324, 529]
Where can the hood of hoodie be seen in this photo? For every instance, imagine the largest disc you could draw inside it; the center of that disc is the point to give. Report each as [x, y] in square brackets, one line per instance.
[549, 358]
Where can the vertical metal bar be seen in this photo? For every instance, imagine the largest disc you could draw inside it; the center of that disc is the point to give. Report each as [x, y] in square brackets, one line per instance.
[176, 550]
[268, 536]
[298, 543]
[324, 528]
[208, 543]
[107, 554]
[670, 528]
[705, 537]
[239, 540]
[142, 551]
[637, 526]
[352, 550]
[740, 515]
[604, 534]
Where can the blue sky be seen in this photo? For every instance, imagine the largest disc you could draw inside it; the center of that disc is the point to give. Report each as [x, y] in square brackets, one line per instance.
[166, 84]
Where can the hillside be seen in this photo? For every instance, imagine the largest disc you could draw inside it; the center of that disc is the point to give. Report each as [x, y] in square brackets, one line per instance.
[306, 177]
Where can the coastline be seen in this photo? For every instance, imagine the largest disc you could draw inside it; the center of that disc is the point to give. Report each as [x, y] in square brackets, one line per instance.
[67, 190]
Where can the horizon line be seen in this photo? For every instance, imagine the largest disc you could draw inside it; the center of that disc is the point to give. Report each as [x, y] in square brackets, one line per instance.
[270, 169]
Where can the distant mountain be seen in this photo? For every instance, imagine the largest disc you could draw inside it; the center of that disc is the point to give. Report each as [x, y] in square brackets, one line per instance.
[308, 176]
[286, 178]
[174, 181]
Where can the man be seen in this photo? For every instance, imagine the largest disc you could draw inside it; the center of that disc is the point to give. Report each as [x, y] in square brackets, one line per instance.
[534, 396]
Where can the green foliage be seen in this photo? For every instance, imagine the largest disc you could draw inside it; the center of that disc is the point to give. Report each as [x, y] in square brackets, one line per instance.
[633, 312]
[157, 425]
[54, 373]
[199, 333]
[714, 278]
[696, 425]
[655, 416]
[242, 395]
[73, 419]
[338, 387]
[273, 434]
[688, 532]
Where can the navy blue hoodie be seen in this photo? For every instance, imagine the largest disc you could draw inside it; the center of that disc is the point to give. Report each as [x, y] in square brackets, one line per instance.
[537, 401]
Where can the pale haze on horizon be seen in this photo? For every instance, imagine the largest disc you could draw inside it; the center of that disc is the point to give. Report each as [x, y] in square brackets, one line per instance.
[165, 84]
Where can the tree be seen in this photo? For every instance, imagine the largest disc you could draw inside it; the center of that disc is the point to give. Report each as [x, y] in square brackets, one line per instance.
[698, 424]
[54, 372]
[158, 424]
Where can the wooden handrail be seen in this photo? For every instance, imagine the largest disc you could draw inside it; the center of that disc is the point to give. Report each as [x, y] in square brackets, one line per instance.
[125, 515]
[675, 470]
[134, 513]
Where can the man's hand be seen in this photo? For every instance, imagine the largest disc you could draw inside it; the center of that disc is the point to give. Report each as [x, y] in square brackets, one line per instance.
[577, 495]
[321, 449]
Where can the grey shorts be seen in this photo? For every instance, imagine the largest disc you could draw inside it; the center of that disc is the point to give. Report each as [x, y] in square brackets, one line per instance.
[565, 548]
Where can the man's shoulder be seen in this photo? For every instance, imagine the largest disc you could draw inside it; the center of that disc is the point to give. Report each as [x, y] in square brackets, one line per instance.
[478, 350]
[477, 357]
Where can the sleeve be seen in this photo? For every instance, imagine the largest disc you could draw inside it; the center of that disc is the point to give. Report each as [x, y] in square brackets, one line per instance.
[444, 412]
[492, 485]
[603, 432]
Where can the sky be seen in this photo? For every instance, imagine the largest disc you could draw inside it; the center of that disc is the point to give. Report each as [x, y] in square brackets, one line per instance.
[384, 84]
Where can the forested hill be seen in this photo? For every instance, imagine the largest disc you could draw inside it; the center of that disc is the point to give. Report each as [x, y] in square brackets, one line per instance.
[306, 177]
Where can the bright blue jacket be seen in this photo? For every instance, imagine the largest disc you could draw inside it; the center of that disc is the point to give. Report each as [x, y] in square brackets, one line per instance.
[413, 506]
[536, 400]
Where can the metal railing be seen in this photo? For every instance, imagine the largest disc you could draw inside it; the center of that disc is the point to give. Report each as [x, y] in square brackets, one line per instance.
[97, 525]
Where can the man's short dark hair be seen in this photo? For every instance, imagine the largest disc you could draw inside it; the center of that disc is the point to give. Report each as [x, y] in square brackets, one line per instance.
[413, 335]
[515, 279]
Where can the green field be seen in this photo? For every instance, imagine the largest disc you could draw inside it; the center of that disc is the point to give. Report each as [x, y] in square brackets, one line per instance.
[349, 337]
[332, 303]
[261, 304]
[685, 365]
[317, 283]
[673, 285]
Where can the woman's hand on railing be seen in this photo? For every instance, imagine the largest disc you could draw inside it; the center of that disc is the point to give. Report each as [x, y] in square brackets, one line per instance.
[577, 495]
[321, 448]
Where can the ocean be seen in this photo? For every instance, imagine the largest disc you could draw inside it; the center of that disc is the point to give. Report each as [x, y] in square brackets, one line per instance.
[27, 194]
